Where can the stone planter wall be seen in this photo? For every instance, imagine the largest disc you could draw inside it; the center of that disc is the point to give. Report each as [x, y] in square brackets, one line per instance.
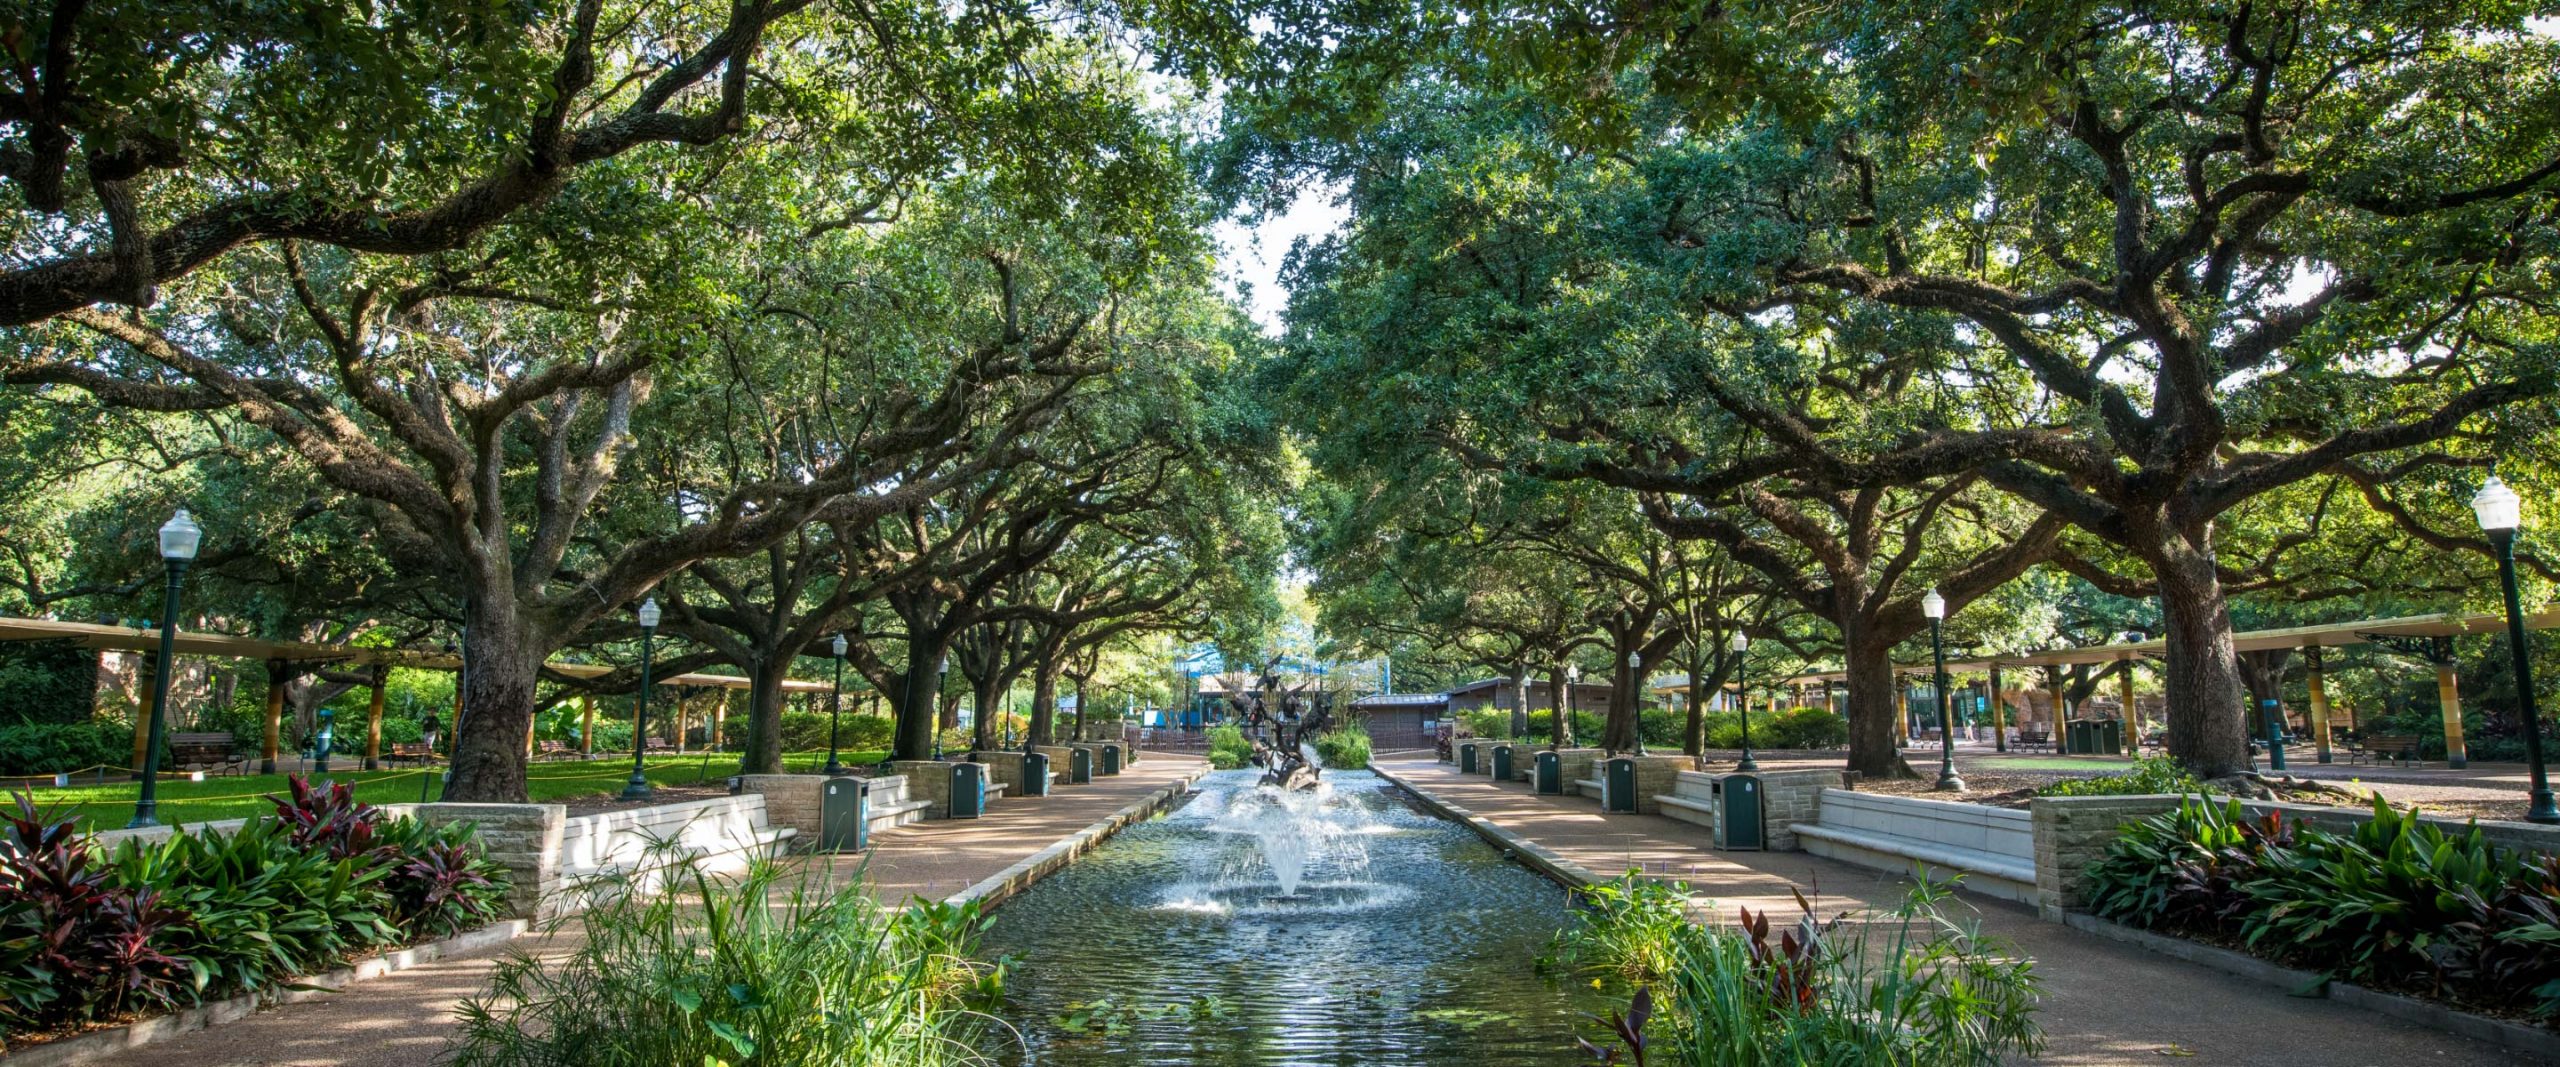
[928, 781]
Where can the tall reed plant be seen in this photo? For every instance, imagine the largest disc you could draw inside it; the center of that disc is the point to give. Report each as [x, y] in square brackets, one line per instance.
[760, 969]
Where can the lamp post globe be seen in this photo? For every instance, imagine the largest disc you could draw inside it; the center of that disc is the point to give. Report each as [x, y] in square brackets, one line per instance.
[835, 704]
[179, 539]
[638, 787]
[2501, 514]
[1935, 607]
[1741, 643]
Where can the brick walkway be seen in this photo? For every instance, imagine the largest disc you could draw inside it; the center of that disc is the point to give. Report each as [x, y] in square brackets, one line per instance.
[2105, 1003]
[405, 1019]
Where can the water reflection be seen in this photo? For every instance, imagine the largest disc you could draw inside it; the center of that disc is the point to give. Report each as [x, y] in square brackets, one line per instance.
[1246, 928]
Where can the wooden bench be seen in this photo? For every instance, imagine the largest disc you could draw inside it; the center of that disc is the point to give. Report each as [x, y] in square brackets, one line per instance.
[193, 750]
[2379, 747]
[415, 751]
[2035, 737]
[660, 744]
[554, 750]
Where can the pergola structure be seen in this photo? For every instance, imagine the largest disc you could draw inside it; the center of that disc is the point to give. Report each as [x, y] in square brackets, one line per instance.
[284, 659]
[2426, 637]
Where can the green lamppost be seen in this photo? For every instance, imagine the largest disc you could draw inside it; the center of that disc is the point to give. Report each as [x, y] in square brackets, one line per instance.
[1935, 607]
[835, 706]
[1740, 644]
[638, 787]
[178, 540]
[2501, 512]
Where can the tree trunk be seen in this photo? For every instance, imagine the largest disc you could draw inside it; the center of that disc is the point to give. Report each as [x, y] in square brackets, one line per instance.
[2262, 672]
[762, 754]
[1619, 734]
[1044, 704]
[1560, 723]
[983, 736]
[502, 660]
[1872, 752]
[2208, 728]
[918, 705]
[1520, 700]
[1693, 733]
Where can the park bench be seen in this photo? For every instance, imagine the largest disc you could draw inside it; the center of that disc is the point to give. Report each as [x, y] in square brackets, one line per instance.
[554, 750]
[1993, 847]
[2379, 747]
[2034, 737]
[189, 751]
[415, 751]
[1691, 799]
[660, 744]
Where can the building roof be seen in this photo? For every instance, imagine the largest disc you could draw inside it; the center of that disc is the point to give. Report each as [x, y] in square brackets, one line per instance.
[1401, 700]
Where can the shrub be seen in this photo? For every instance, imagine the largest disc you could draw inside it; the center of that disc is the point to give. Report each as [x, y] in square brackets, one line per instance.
[2400, 902]
[1802, 728]
[1586, 727]
[716, 972]
[2150, 774]
[210, 914]
[47, 682]
[1486, 722]
[1345, 747]
[1917, 990]
[1228, 749]
[52, 748]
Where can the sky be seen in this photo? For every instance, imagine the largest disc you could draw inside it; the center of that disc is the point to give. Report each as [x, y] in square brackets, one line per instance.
[1250, 256]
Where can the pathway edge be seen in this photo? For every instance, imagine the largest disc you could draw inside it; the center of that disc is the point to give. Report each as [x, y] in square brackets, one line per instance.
[996, 888]
[100, 1044]
[1514, 847]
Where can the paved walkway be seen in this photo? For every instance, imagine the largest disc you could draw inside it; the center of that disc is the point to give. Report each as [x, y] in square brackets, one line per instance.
[405, 1019]
[2105, 1003]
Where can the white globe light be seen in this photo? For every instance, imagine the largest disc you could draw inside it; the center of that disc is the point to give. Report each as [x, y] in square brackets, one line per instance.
[1741, 642]
[1933, 605]
[2498, 507]
[649, 614]
[180, 536]
[840, 646]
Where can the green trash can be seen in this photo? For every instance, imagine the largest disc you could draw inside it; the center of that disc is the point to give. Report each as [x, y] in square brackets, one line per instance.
[1618, 786]
[1035, 774]
[2108, 736]
[1110, 759]
[968, 791]
[1079, 766]
[1741, 820]
[844, 809]
[1467, 757]
[1502, 763]
[2075, 737]
[1550, 774]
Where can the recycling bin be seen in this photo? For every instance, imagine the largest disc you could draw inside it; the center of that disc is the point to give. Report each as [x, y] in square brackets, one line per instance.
[844, 807]
[1110, 759]
[1467, 757]
[1741, 820]
[1550, 774]
[1035, 774]
[1079, 766]
[1502, 763]
[968, 791]
[1618, 786]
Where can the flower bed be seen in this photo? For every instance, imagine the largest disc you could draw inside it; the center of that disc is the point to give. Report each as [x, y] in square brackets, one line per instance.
[2395, 904]
[88, 937]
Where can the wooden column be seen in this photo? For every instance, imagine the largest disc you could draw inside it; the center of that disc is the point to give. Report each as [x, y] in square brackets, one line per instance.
[2319, 701]
[1999, 714]
[587, 723]
[2132, 718]
[373, 718]
[2449, 694]
[277, 676]
[530, 721]
[719, 719]
[1901, 711]
[684, 715]
[148, 673]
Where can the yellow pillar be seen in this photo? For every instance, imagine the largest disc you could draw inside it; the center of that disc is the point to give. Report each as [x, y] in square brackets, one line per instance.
[276, 678]
[587, 725]
[2132, 717]
[1999, 714]
[2449, 694]
[2319, 700]
[1901, 712]
[373, 720]
[719, 718]
[529, 722]
[149, 676]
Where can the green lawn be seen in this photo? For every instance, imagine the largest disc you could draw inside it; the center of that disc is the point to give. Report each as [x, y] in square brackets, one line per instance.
[2104, 764]
[109, 806]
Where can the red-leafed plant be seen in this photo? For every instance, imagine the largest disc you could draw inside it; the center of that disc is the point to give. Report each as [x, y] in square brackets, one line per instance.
[327, 817]
[92, 944]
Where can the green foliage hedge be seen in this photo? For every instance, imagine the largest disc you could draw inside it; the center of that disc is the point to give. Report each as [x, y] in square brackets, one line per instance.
[52, 748]
[87, 936]
[2398, 903]
[1345, 747]
[47, 682]
[1797, 728]
[1228, 749]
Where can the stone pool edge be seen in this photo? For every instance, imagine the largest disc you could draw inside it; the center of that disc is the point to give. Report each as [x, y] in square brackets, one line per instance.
[1003, 885]
[1514, 847]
